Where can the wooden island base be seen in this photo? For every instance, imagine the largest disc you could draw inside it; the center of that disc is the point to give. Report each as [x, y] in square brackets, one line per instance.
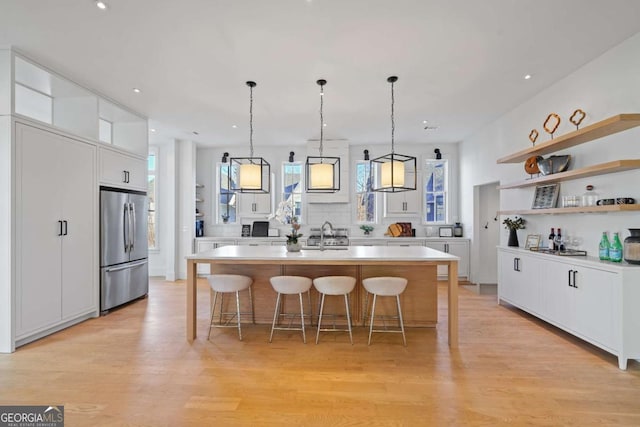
[419, 301]
[417, 264]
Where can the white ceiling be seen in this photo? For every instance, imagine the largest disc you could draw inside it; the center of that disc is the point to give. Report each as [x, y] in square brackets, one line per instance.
[460, 63]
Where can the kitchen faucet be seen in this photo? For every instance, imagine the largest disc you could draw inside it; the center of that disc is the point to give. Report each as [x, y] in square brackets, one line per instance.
[322, 233]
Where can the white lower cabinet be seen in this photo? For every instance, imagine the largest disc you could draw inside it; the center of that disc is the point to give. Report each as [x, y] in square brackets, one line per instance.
[457, 247]
[593, 300]
[122, 170]
[56, 232]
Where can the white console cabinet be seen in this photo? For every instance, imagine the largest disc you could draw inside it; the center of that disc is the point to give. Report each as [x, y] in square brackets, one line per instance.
[594, 300]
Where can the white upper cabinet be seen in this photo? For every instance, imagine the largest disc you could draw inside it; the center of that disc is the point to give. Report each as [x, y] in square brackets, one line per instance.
[122, 170]
[404, 203]
[42, 95]
[255, 204]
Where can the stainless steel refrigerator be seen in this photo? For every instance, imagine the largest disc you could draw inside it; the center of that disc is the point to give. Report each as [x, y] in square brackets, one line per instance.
[124, 270]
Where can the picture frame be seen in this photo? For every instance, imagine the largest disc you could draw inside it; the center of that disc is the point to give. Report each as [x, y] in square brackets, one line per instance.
[533, 242]
[246, 230]
[545, 196]
[445, 232]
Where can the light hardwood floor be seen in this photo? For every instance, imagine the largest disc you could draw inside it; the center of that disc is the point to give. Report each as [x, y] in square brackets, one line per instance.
[134, 367]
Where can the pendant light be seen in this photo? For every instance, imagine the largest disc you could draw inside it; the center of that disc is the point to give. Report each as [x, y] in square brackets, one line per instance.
[322, 173]
[252, 174]
[393, 172]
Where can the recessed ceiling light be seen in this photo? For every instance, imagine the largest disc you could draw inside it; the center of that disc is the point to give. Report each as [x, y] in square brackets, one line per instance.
[424, 122]
[136, 90]
[324, 124]
[152, 130]
[234, 126]
[527, 76]
[101, 5]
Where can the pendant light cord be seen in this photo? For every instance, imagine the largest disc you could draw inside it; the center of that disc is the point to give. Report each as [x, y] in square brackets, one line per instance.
[321, 118]
[251, 120]
[393, 123]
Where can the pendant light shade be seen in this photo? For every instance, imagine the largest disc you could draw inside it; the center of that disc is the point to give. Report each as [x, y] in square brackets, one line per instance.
[250, 174]
[322, 173]
[393, 172]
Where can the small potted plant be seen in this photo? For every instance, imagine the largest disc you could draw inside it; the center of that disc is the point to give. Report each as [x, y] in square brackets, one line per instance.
[293, 244]
[513, 225]
[367, 229]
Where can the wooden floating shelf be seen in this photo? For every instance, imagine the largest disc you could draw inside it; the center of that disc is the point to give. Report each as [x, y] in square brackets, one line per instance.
[199, 200]
[615, 124]
[595, 170]
[583, 209]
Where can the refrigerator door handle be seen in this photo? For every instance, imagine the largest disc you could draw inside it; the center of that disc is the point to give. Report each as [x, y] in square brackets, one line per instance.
[132, 209]
[125, 227]
[125, 267]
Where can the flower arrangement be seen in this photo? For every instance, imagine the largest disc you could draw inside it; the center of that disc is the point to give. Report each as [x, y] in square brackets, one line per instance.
[292, 238]
[514, 224]
[366, 228]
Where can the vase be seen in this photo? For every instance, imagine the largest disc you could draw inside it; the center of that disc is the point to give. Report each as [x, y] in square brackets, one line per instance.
[294, 247]
[513, 238]
[632, 247]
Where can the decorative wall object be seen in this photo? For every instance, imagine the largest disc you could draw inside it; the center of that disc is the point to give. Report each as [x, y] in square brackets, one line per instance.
[577, 117]
[533, 136]
[546, 196]
[551, 123]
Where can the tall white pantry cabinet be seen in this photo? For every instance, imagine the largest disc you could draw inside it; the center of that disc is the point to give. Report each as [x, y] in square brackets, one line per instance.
[53, 135]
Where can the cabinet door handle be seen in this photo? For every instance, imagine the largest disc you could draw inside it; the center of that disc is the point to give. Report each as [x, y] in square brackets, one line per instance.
[128, 180]
[516, 264]
[253, 207]
[66, 227]
[446, 247]
[575, 285]
[59, 228]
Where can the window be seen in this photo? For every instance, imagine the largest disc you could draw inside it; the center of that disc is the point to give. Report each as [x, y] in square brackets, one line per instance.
[292, 185]
[152, 189]
[365, 198]
[227, 200]
[436, 198]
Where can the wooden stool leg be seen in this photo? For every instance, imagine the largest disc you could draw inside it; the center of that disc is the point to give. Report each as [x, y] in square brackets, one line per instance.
[304, 337]
[346, 303]
[238, 314]
[320, 318]
[373, 312]
[275, 316]
[404, 338]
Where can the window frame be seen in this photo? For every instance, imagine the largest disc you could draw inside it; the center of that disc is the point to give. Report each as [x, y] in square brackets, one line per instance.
[367, 174]
[216, 203]
[153, 151]
[299, 190]
[446, 193]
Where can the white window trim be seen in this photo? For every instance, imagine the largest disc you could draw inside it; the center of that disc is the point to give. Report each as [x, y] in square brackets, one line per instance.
[376, 215]
[301, 217]
[155, 152]
[447, 193]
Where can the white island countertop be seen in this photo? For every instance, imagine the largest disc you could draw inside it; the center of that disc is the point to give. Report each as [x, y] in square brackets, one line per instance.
[358, 254]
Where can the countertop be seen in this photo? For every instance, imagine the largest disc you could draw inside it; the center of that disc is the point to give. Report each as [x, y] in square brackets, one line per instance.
[350, 253]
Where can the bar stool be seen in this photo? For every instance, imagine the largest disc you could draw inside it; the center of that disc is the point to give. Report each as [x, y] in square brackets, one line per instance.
[334, 285]
[290, 285]
[384, 286]
[227, 283]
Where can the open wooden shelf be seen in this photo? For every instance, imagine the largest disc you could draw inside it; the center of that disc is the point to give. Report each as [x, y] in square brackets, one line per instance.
[582, 209]
[615, 124]
[600, 169]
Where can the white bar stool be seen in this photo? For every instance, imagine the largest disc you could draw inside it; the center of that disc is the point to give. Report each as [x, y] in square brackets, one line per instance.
[334, 285]
[290, 285]
[227, 283]
[385, 286]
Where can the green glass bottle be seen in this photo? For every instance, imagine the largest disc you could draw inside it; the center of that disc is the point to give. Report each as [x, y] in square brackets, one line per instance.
[615, 251]
[603, 249]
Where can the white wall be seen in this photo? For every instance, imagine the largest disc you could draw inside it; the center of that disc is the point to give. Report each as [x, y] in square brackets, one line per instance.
[606, 86]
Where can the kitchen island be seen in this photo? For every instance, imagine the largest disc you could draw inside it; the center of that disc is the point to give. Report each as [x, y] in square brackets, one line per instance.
[417, 264]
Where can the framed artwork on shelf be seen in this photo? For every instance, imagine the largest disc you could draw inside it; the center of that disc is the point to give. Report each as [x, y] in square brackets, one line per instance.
[545, 196]
[246, 230]
[533, 242]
